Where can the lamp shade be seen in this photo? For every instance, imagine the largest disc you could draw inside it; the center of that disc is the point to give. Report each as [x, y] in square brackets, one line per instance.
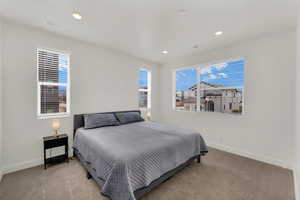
[148, 115]
[55, 124]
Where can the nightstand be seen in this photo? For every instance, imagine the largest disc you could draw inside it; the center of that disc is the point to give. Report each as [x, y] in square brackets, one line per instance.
[52, 142]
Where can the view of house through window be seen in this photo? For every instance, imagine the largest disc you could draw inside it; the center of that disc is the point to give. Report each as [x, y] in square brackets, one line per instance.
[213, 88]
[144, 89]
[53, 83]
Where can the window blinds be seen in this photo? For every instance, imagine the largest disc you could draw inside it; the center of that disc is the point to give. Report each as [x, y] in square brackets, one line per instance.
[53, 82]
[48, 65]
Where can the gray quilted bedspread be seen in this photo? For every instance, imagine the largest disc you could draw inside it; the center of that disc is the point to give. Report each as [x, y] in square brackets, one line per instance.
[131, 156]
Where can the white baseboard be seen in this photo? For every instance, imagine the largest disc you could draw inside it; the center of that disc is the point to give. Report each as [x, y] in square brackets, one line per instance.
[261, 158]
[36, 162]
[296, 185]
[22, 165]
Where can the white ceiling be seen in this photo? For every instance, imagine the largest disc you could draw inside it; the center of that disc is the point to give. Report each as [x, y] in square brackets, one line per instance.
[144, 28]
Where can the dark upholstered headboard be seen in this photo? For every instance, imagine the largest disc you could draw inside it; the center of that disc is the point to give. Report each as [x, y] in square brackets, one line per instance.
[78, 120]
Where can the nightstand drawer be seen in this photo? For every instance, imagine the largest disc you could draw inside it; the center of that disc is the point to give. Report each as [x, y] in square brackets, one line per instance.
[55, 143]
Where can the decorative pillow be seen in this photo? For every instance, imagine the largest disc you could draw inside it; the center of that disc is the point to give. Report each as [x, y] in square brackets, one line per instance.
[129, 117]
[99, 120]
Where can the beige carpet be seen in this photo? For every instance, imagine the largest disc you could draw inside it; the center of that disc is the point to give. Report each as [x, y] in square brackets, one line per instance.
[221, 176]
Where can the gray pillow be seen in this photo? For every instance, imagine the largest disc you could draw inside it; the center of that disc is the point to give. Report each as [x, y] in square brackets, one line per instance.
[129, 117]
[99, 120]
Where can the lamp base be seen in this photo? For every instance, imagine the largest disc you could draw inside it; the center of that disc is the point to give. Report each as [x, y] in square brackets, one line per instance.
[56, 134]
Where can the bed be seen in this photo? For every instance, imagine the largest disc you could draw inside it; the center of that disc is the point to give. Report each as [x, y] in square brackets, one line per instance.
[129, 160]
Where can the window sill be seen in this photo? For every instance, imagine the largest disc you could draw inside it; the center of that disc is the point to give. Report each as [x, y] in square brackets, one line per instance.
[53, 116]
[222, 113]
[178, 110]
[145, 109]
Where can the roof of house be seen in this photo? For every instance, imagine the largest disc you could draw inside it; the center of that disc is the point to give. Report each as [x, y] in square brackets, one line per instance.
[205, 83]
[210, 85]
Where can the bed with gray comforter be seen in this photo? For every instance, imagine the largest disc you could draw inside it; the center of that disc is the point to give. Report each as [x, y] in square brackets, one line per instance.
[131, 156]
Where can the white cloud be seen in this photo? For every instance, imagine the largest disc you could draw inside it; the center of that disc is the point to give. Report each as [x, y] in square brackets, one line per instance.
[206, 70]
[215, 76]
[223, 75]
[212, 77]
[220, 66]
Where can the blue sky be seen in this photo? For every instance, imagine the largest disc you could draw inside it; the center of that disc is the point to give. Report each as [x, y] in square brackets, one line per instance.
[230, 74]
[185, 79]
[143, 78]
[63, 70]
[63, 73]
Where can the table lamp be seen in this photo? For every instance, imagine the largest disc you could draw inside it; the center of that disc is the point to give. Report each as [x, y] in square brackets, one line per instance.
[148, 115]
[55, 126]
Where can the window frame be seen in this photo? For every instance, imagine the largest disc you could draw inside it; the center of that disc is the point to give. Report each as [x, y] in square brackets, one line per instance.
[67, 85]
[198, 68]
[149, 88]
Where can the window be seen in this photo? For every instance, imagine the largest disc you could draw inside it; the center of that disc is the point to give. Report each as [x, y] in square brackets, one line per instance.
[144, 89]
[186, 89]
[211, 88]
[53, 83]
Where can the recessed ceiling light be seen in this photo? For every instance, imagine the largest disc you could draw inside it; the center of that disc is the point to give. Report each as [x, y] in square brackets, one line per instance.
[218, 33]
[165, 52]
[76, 16]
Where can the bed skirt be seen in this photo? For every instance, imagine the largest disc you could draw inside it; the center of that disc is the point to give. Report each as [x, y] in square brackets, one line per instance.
[142, 191]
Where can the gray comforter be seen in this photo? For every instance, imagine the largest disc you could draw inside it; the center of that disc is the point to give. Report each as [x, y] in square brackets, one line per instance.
[131, 156]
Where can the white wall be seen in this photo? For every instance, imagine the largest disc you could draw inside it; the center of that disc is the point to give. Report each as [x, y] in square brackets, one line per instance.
[1, 145]
[297, 119]
[264, 132]
[101, 80]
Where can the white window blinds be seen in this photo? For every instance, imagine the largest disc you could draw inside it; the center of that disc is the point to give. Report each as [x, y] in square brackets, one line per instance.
[53, 83]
